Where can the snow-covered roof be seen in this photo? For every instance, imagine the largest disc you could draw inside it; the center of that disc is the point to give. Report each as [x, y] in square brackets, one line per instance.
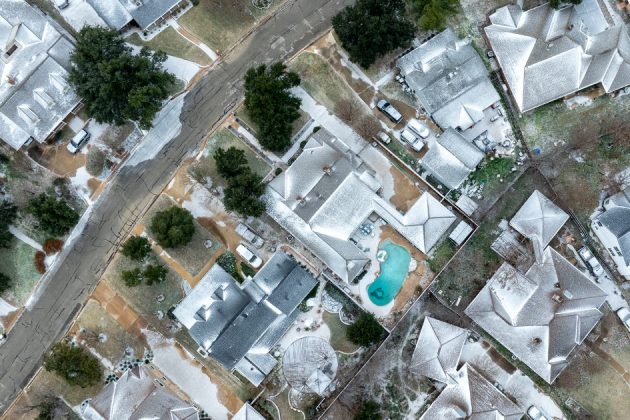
[137, 396]
[34, 64]
[540, 316]
[438, 349]
[451, 158]
[309, 365]
[472, 396]
[616, 218]
[539, 220]
[324, 196]
[247, 412]
[449, 79]
[546, 54]
[238, 325]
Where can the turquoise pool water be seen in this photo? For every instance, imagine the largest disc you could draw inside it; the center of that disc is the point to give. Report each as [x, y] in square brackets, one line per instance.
[393, 273]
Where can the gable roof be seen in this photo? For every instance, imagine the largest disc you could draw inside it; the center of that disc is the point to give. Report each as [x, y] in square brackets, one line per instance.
[546, 54]
[451, 158]
[238, 326]
[247, 412]
[449, 79]
[136, 396]
[540, 316]
[616, 218]
[539, 220]
[438, 349]
[472, 396]
[328, 191]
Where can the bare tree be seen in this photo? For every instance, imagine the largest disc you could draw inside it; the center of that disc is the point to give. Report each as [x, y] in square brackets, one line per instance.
[348, 110]
[368, 127]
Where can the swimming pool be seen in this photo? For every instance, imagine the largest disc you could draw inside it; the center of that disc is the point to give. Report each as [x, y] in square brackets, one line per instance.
[393, 273]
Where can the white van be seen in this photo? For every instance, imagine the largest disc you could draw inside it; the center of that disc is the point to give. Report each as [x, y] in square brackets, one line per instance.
[419, 128]
[251, 258]
[409, 137]
[78, 141]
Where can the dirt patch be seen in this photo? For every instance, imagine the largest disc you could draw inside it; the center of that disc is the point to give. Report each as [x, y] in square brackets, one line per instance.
[57, 158]
[405, 192]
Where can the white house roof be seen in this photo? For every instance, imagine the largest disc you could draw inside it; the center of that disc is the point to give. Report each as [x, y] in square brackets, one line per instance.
[472, 396]
[247, 412]
[438, 349]
[136, 396]
[451, 158]
[540, 316]
[539, 220]
[616, 218]
[546, 54]
[34, 93]
[449, 79]
[328, 192]
[237, 325]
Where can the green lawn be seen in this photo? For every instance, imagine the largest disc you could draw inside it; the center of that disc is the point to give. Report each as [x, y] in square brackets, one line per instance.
[206, 168]
[172, 43]
[338, 329]
[17, 263]
[220, 23]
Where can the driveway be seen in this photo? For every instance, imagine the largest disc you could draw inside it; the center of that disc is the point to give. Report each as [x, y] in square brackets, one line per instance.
[132, 191]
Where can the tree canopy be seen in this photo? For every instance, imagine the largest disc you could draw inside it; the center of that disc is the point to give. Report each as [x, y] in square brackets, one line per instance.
[8, 213]
[5, 283]
[557, 3]
[270, 104]
[372, 28]
[114, 84]
[370, 410]
[433, 13]
[54, 215]
[74, 364]
[230, 162]
[173, 227]
[137, 248]
[243, 194]
[365, 331]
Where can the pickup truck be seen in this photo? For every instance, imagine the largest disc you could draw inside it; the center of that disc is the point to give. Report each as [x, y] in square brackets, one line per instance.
[246, 233]
[590, 261]
[391, 112]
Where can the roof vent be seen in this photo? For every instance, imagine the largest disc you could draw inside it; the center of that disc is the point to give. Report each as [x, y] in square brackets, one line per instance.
[567, 294]
[570, 27]
[536, 340]
[557, 285]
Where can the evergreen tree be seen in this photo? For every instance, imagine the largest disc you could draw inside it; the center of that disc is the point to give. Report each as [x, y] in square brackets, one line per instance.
[74, 364]
[173, 227]
[54, 215]
[230, 162]
[8, 213]
[137, 248]
[243, 195]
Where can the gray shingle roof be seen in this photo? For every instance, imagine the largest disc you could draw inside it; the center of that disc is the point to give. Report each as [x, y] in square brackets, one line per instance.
[34, 93]
[136, 396]
[238, 326]
[546, 54]
[449, 79]
[616, 219]
[151, 10]
[328, 192]
[451, 158]
[438, 349]
[472, 396]
[540, 316]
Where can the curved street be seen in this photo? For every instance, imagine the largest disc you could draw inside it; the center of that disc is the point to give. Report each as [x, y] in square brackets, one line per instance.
[293, 27]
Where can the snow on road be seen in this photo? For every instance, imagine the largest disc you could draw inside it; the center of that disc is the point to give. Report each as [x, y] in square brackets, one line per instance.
[183, 370]
[167, 126]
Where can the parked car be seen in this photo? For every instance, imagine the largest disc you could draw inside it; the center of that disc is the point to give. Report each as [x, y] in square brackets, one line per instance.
[624, 316]
[251, 258]
[409, 137]
[591, 262]
[419, 128]
[246, 233]
[383, 137]
[535, 413]
[78, 141]
[391, 112]
[3, 338]
[61, 4]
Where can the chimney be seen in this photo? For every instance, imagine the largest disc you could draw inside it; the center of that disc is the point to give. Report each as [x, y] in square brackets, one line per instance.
[557, 298]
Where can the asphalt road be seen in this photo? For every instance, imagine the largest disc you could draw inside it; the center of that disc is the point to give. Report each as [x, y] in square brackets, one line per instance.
[130, 193]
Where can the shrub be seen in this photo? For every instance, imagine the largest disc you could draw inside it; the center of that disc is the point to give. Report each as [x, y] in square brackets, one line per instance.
[365, 331]
[137, 248]
[95, 161]
[230, 162]
[227, 261]
[3, 159]
[173, 227]
[52, 246]
[40, 265]
[74, 364]
[132, 278]
[155, 274]
[53, 215]
[278, 171]
[6, 283]
[8, 213]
